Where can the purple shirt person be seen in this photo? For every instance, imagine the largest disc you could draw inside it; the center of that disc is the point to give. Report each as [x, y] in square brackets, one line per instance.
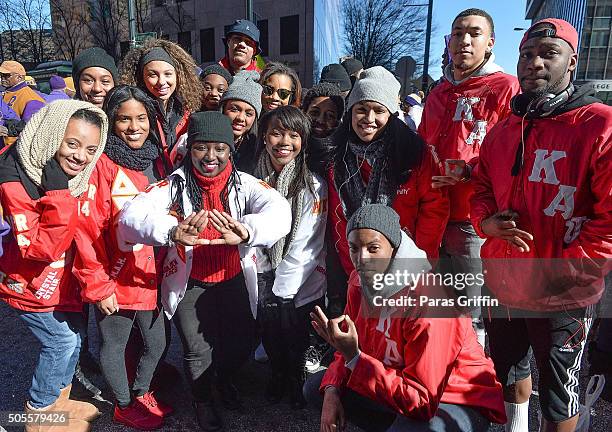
[58, 89]
[6, 113]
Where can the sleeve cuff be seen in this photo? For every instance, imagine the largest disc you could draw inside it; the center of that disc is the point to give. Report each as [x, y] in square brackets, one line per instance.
[353, 362]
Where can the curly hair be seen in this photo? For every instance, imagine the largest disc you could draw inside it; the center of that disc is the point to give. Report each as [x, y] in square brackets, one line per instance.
[274, 68]
[188, 85]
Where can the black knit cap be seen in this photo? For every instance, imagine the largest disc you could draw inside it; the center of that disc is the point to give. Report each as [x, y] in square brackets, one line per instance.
[93, 57]
[377, 217]
[352, 65]
[336, 74]
[216, 69]
[210, 126]
[324, 89]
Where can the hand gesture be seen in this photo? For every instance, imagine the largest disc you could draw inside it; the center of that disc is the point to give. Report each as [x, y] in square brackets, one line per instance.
[186, 232]
[332, 413]
[346, 342]
[503, 225]
[109, 305]
[232, 232]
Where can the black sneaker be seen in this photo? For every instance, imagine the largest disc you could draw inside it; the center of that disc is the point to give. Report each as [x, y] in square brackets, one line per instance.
[275, 388]
[207, 416]
[83, 387]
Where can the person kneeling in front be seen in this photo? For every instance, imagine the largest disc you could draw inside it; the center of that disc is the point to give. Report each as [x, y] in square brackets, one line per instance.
[396, 371]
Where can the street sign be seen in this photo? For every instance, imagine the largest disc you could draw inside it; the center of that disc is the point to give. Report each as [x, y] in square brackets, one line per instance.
[601, 85]
[404, 70]
[141, 38]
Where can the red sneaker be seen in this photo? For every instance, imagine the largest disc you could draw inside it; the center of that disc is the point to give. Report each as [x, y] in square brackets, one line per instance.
[154, 405]
[137, 416]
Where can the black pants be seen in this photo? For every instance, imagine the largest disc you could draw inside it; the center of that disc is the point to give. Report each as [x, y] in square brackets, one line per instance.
[285, 329]
[217, 330]
[115, 332]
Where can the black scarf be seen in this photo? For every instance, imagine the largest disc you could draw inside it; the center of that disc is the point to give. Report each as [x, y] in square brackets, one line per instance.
[123, 155]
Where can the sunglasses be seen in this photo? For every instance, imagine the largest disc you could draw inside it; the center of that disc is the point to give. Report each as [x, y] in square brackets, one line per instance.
[282, 93]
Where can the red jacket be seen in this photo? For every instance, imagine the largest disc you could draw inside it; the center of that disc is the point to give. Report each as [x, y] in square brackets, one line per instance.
[456, 119]
[412, 364]
[563, 197]
[104, 264]
[423, 211]
[35, 267]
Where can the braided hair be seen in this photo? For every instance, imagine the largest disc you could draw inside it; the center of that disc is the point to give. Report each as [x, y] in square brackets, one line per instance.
[194, 191]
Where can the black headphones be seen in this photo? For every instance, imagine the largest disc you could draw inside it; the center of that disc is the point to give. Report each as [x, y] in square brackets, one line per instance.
[542, 106]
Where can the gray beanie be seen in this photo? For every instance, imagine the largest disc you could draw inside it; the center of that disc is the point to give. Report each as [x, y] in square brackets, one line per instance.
[377, 217]
[376, 84]
[245, 88]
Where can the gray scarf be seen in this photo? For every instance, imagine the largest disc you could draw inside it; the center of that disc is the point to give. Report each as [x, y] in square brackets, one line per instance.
[281, 182]
[354, 192]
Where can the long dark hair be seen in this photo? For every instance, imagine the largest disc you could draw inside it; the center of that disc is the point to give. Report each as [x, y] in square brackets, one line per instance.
[124, 93]
[274, 68]
[194, 191]
[293, 119]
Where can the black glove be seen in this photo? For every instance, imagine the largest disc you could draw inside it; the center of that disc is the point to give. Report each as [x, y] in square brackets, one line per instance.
[53, 177]
[14, 126]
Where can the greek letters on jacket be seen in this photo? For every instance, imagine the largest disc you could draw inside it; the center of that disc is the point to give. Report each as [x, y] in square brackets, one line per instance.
[562, 195]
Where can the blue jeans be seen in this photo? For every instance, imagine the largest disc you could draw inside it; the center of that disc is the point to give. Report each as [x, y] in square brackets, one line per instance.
[372, 416]
[60, 335]
[460, 253]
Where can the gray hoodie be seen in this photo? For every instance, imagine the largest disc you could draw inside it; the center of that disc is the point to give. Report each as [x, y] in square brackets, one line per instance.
[487, 68]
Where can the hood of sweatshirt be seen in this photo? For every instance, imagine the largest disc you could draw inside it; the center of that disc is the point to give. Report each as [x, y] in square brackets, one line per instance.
[489, 67]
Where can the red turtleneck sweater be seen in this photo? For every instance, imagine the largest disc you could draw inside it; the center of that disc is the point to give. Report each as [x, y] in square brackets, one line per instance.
[216, 263]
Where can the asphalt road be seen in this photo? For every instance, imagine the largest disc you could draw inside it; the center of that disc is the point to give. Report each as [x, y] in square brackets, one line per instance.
[19, 351]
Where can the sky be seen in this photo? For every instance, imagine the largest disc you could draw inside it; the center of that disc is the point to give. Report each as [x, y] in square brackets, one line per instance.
[507, 14]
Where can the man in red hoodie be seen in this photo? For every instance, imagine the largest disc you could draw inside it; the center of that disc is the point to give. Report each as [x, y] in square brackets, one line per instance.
[241, 47]
[473, 96]
[542, 201]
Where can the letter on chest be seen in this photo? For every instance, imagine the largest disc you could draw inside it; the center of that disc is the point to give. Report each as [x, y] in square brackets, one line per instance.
[564, 200]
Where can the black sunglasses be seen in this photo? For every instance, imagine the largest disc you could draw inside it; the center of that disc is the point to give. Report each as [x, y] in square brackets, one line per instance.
[282, 93]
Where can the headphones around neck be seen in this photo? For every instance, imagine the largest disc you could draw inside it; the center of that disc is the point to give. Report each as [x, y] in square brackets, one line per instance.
[542, 106]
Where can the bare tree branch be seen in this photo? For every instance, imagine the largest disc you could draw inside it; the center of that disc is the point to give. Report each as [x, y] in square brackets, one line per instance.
[69, 26]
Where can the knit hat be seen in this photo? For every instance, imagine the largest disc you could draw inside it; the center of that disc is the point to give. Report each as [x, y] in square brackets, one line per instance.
[324, 90]
[93, 57]
[244, 27]
[155, 54]
[562, 30]
[56, 83]
[210, 126]
[43, 134]
[336, 74]
[377, 217]
[376, 84]
[413, 99]
[352, 65]
[245, 88]
[217, 69]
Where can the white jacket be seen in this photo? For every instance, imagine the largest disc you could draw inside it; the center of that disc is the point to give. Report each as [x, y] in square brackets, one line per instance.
[146, 220]
[301, 273]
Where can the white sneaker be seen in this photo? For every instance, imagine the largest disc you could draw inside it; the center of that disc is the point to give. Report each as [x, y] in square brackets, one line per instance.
[313, 359]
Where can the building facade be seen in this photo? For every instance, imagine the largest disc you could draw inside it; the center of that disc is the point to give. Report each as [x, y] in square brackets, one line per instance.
[304, 34]
[592, 19]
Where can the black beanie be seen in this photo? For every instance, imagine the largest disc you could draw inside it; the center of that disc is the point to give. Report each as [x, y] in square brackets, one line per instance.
[93, 57]
[352, 65]
[210, 126]
[217, 69]
[336, 74]
[377, 217]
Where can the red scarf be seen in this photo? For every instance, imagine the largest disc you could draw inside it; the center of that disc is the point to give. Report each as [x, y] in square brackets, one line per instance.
[215, 263]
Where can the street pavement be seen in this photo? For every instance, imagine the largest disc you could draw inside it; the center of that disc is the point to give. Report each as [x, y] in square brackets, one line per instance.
[19, 351]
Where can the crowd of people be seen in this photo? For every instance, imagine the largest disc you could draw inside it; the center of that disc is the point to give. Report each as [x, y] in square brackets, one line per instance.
[241, 208]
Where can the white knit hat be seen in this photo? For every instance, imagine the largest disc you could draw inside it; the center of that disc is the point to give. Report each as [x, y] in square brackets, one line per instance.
[376, 84]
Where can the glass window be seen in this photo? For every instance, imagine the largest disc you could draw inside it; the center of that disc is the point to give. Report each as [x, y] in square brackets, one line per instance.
[207, 45]
[184, 40]
[597, 63]
[601, 23]
[600, 38]
[290, 34]
[262, 25]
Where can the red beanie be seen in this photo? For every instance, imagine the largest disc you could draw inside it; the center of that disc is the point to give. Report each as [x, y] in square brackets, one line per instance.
[563, 30]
